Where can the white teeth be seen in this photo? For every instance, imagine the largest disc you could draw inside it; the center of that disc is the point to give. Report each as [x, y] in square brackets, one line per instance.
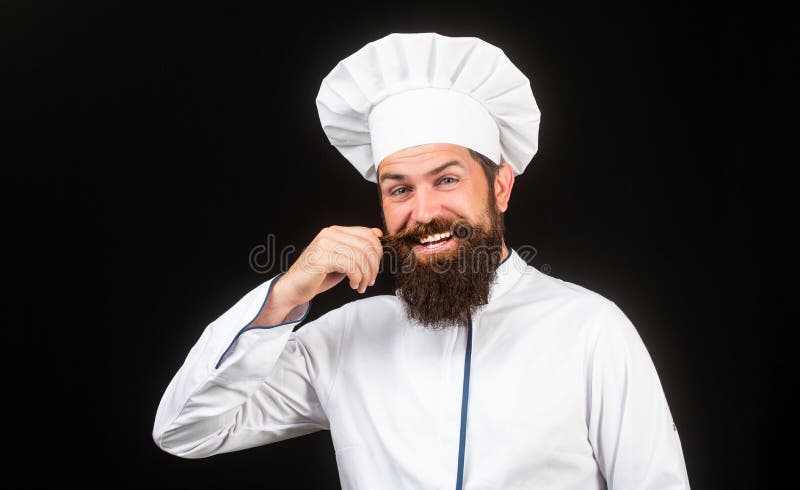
[434, 237]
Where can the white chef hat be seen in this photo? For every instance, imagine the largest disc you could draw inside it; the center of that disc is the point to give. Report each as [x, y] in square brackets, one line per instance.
[411, 89]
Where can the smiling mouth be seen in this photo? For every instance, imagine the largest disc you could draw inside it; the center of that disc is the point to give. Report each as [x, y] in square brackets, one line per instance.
[435, 238]
[432, 243]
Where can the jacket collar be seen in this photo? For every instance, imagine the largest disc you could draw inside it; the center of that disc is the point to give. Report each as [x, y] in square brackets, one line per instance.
[509, 272]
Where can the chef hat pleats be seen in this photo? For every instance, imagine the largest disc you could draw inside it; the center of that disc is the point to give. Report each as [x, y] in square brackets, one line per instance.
[411, 89]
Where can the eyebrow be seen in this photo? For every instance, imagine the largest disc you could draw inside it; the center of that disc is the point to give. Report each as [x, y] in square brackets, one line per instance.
[430, 173]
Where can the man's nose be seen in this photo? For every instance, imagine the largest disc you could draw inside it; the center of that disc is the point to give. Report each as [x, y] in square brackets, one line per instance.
[426, 207]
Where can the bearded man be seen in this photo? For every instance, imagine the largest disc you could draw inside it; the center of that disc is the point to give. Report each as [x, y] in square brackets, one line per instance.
[481, 372]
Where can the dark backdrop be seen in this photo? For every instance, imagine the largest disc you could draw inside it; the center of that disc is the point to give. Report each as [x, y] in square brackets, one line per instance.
[154, 145]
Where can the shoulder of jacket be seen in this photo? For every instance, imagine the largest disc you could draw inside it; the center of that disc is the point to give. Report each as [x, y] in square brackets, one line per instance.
[544, 286]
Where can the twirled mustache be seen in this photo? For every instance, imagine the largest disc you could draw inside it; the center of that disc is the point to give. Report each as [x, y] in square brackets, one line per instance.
[458, 228]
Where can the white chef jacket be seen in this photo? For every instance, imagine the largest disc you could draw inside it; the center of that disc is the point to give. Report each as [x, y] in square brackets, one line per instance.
[549, 388]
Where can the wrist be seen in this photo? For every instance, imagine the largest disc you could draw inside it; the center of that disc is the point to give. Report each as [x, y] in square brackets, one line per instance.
[279, 299]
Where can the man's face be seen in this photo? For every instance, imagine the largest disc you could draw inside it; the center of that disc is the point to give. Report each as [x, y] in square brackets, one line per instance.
[431, 181]
[428, 192]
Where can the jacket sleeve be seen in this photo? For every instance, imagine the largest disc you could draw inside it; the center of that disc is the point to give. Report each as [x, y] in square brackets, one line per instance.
[245, 385]
[635, 441]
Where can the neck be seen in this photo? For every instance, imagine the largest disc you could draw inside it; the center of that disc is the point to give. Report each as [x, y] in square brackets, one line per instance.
[505, 252]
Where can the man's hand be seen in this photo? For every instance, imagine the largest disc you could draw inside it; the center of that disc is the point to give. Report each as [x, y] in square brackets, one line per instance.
[335, 253]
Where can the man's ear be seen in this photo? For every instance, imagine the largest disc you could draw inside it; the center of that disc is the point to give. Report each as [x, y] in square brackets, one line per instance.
[502, 186]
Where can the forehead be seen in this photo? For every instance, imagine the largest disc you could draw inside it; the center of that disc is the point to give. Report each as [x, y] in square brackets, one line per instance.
[418, 159]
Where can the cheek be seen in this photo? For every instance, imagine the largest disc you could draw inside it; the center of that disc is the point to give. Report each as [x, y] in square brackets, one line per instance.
[393, 215]
[468, 204]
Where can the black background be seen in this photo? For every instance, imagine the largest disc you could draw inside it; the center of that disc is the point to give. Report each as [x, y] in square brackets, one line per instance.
[153, 145]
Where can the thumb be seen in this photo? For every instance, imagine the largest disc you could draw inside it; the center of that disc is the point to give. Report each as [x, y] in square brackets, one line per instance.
[377, 232]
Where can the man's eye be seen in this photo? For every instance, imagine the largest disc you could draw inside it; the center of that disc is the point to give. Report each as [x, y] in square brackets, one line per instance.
[448, 180]
[399, 191]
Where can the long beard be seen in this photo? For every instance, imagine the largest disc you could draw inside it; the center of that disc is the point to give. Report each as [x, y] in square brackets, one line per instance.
[445, 289]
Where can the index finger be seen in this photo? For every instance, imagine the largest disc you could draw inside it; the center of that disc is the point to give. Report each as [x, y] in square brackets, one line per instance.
[371, 234]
